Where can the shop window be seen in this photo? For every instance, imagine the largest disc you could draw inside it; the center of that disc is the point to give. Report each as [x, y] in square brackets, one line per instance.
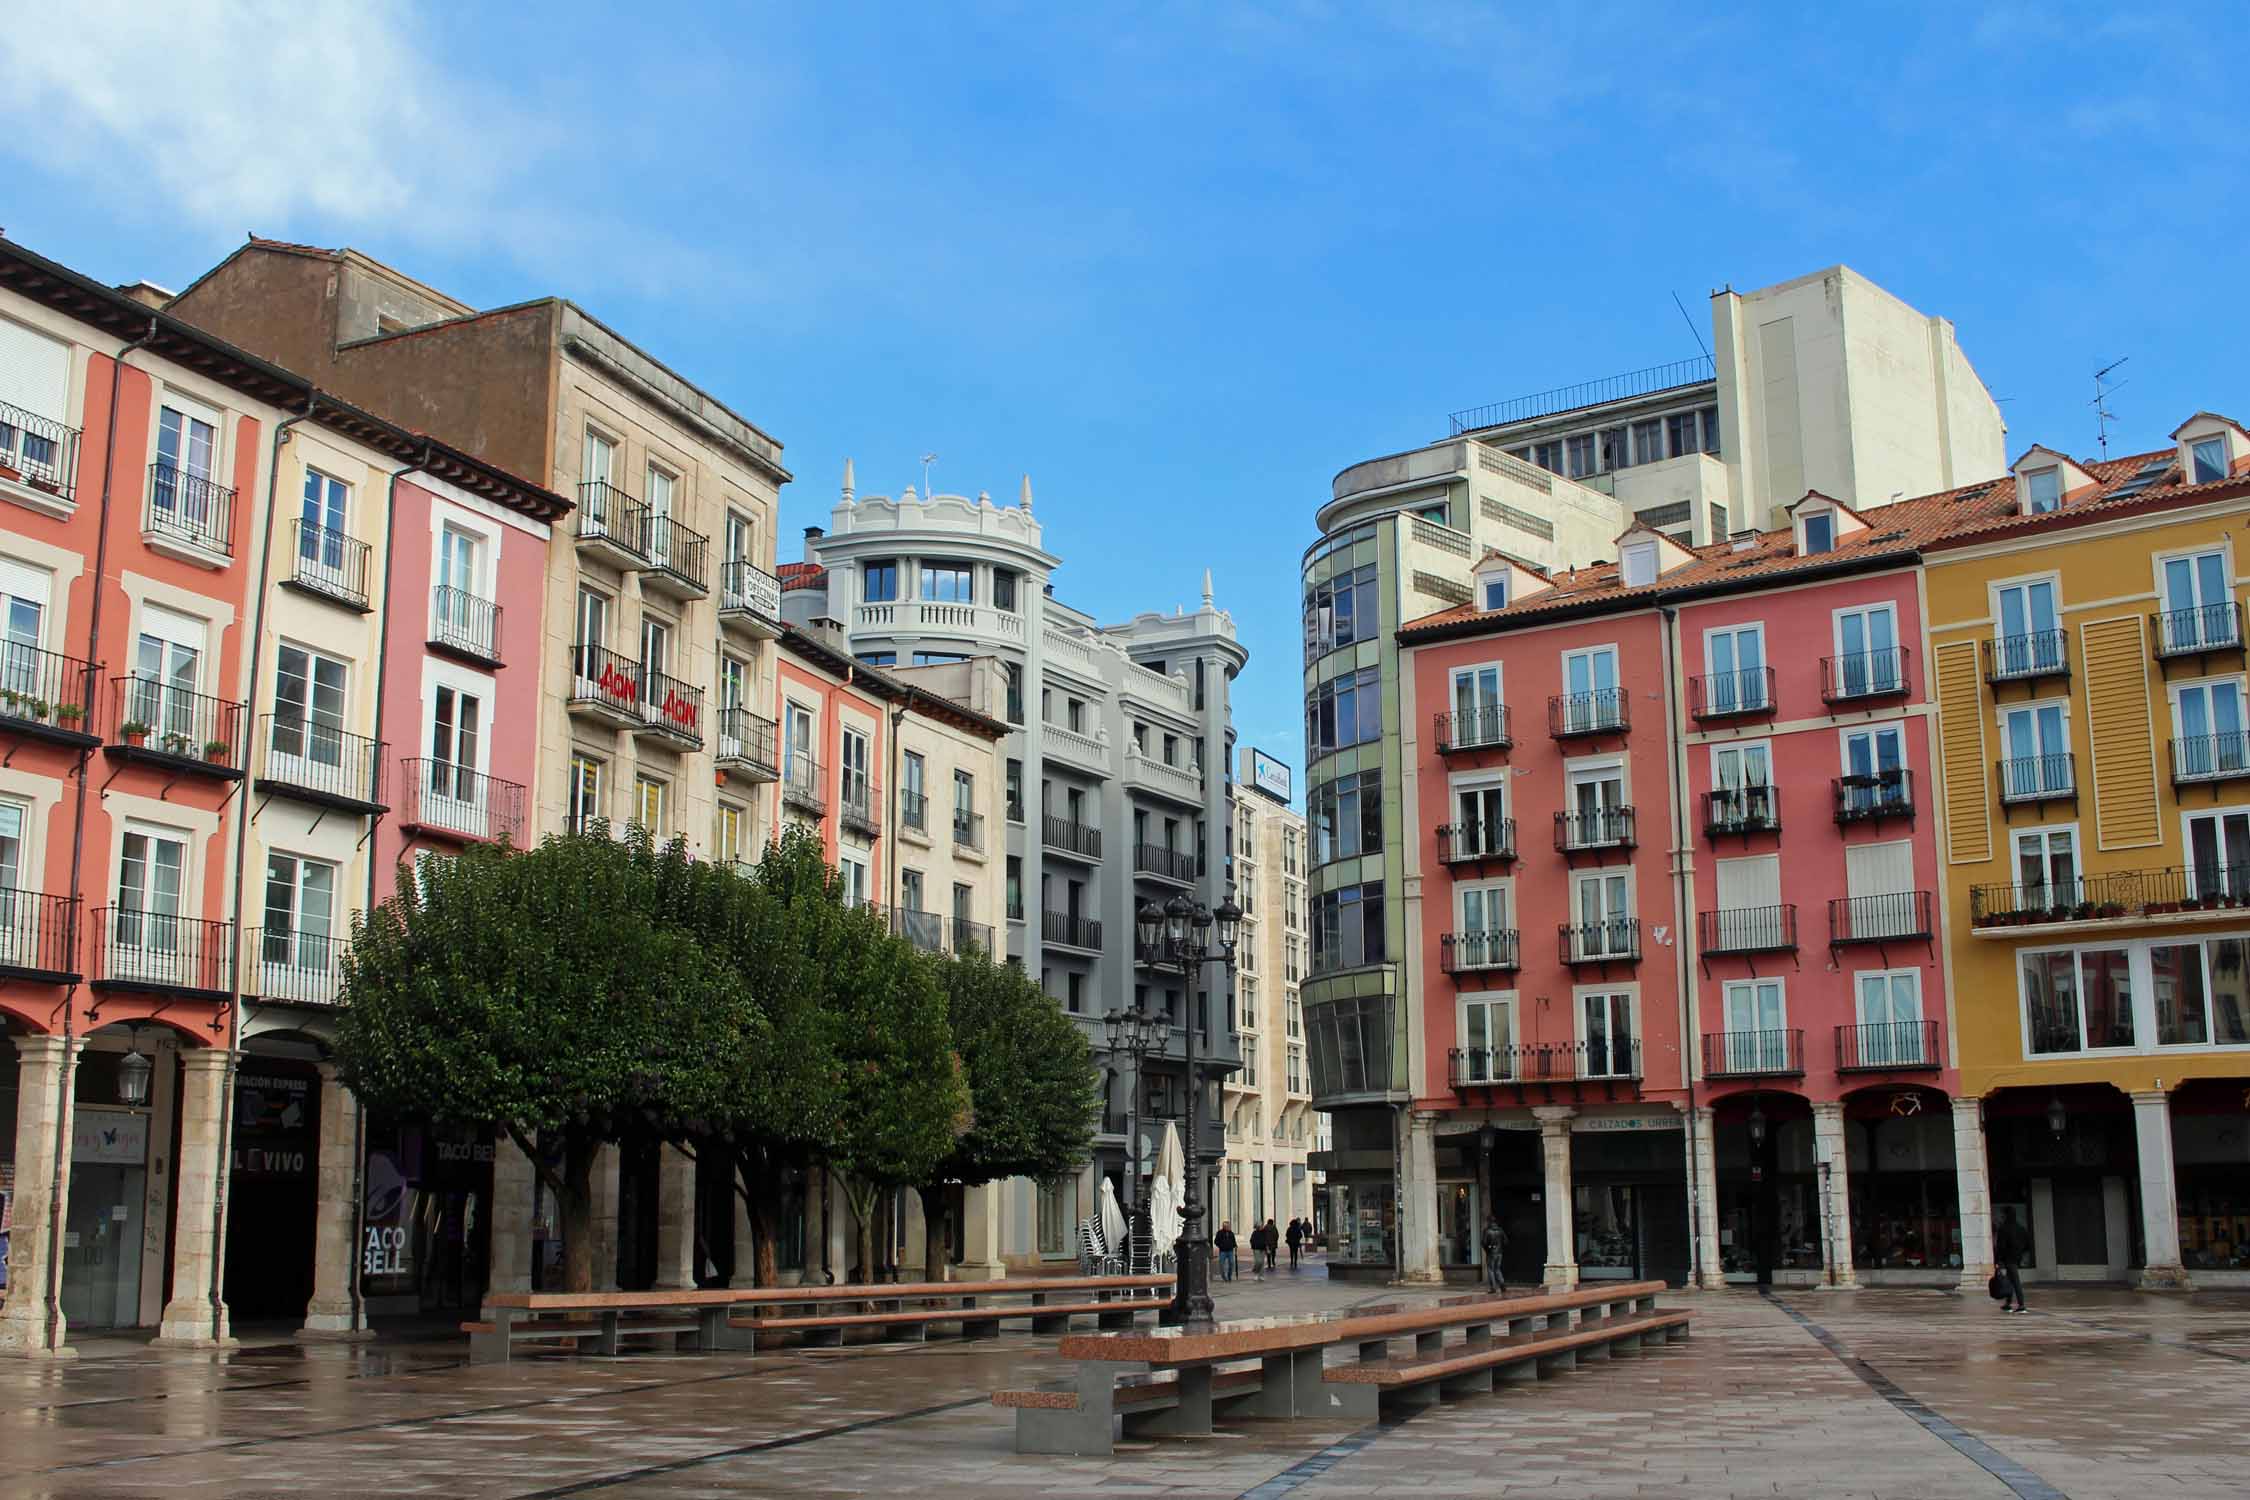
[2077, 1001]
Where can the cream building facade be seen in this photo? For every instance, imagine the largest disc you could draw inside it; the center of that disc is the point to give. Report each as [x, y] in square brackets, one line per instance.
[1270, 1119]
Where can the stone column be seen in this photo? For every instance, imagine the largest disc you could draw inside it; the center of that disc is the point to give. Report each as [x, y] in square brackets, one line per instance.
[1703, 1188]
[45, 1066]
[982, 1257]
[676, 1269]
[331, 1313]
[1554, 1149]
[1972, 1186]
[515, 1188]
[1417, 1235]
[1830, 1148]
[604, 1193]
[2160, 1209]
[193, 1319]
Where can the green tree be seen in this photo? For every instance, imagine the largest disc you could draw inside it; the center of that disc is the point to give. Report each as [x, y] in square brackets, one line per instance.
[1034, 1091]
[554, 995]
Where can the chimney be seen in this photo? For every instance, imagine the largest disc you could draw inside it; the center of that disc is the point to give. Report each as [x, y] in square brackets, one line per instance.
[813, 534]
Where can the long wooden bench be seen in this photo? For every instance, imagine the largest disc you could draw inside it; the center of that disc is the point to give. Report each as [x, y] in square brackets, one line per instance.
[571, 1319]
[1278, 1367]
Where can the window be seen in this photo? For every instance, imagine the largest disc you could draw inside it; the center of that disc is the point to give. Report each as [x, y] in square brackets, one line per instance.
[1874, 770]
[2030, 640]
[1613, 454]
[1591, 698]
[1648, 441]
[1749, 912]
[1015, 791]
[797, 767]
[1004, 582]
[1292, 960]
[1341, 610]
[1685, 429]
[593, 621]
[740, 540]
[934, 658]
[949, 583]
[1348, 928]
[2198, 603]
[1345, 711]
[181, 490]
[2207, 459]
[23, 614]
[1820, 532]
[1579, 454]
[1639, 564]
[727, 833]
[2200, 994]
[1346, 817]
[300, 920]
[1735, 656]
[964, 805]
[2042, 490]
[1074, 983]
[1868, 659]
[1058, 1216]
[1171, 749]
[167, 670]
[1074, 715]
[910, 889]
[1890, 1019]
[38, 381]
[2035, 739]
[1879, 879]
[308, 722]
[601, 459]
[1604, 910]
[2208, 716]
[878, 658]
[2218, 849]
[1757, 1035]
[2076, 1001]
[856, 789]
[648, 803]
[878, 582]
[1250, 1062]
[1248, 1014]
[1015, 888]
[1482, 938]
[1478, 715]
[851, 875]
[1595, 810]
[1480, 818]
[150, 871]
[1611, 1051]
[320, 540]
[2046, 868]
[585, 792]
[656, 646]
[1548, 456]
[1742, 784]
[659, 514]
[1496, 591]
[914, 803]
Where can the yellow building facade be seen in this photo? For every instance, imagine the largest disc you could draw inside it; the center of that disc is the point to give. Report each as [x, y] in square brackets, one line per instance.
[2086, 650]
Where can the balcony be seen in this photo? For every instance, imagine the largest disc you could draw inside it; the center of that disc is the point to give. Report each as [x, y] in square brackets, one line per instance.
[1864, 676]
[2203, 630]
[329, 565]
[1747, 929]
[1160, 863]
[1573, 716]
[1490, 842]
[746, 744]
[749, 600]
[308, 761]
[441, 800]
[2027, 658]
[1472, 729]
[1494, 951]
[38, 937]
[2037, 778]
[605, 688]
[1545, 1065]
[464, 627]
[172, 729]
[1594, 829]
[1181, 784]
[1614, 940]
[1081, 750]
[679, 560]
[38, 461]
[1015, 810]
[968, 833]
[914, 815]
[1889, 1047]
[671, 711]
[295, 968]
[188, 518]
[1892, 916]
[1754, 1054]
[2210, 758]
[612, 525]
[801, 784]
[1080, 840]
[161, 953]
[1744, 810]
[1067, 931]
[45, 695]
[858, 806]
[1747, 693]
[970, 937]
[1871, 799]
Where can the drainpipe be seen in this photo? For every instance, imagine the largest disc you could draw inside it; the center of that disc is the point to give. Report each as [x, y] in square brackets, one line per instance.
[55, 1205]
[1681, 900]
[895, 1229]
[241, 855]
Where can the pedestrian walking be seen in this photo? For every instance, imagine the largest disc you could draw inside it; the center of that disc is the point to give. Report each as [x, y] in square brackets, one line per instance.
[2009, 1246]
[1257, 1252]
[1296, 1240]
[1273, 1245]
[1495, 1246]
[1223, 1242]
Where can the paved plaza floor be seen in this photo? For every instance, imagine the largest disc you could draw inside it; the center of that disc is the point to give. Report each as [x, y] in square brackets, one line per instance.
[1918, 1394]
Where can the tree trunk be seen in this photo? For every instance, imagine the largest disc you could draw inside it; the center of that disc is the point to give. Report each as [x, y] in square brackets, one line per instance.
[761, 1186]
[935, 1261]
[574, 1209]
[863, 1199]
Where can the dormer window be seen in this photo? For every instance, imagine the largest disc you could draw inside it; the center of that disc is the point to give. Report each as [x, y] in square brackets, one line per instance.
[1495, 592]
[2042, 490]
[1820, 532]
[1638, 561]
[2207, 459]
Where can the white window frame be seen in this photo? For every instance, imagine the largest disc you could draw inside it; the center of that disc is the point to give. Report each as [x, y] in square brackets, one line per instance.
[1636, 564]
[1893, 1049]
[1805, 518]
[1592, 654]
[2195, 447]
[2240, 750]
[1470, 673]
[2137, 976]
[1712, 669]
[1465, 783]
[2164, 606]
[1743, 748]
[1579, 995]
[1503, 1067]
[2045, 833]
[1616, 935]
[2219, 813]
[2030, 479]
[1505, 890]
[2032, 706]
[1758, 1049]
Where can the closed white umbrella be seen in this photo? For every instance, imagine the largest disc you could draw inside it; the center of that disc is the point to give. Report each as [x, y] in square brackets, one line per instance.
[1113, 1219]
[1164, 1222]
[1171, 1162]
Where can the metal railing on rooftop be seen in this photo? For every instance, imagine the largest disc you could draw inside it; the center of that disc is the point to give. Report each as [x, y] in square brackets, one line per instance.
[1648, 382]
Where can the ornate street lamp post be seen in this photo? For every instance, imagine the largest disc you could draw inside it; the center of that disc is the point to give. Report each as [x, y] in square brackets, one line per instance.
[1177, 936]
[1131, 1033]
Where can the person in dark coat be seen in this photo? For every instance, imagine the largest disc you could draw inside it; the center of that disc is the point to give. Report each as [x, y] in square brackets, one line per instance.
[1495, 1246]
[1296, 1239]
[1223, 1242]
[2009, 1246]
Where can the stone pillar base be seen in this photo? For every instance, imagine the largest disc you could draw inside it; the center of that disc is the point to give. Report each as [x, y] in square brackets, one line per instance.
[1421, 1277]
[25, 1337]
[187, 1325]
[980, 1270]
[1560, 1278]
[2164, 1279]
[330, 1323]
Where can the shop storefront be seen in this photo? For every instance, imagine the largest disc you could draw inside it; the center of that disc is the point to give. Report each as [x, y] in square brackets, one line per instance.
[425, 1234]
[2211, 1158]
[272, 1189]
[2064, 1164]
[1905, 1198]
[1773, 1224]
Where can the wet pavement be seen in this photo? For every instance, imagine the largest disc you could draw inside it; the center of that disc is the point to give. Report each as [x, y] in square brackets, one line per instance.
[1875, 1393]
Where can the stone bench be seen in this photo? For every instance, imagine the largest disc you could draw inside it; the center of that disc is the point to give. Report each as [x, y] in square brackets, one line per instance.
[1530, 1351]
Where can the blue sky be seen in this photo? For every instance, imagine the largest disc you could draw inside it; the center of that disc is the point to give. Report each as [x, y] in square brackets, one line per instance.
[1180, 262]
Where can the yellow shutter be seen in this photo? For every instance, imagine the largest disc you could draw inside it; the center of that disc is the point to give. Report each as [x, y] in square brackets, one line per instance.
[2123, 744]
[1960, 700]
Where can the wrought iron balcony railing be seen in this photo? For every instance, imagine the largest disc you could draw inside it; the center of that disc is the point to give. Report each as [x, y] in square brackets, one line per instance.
[1594, 828]
[1071, 932]
[2026, 657]
[319, 763]
[439, 798]
[1742, 810]
[914, 811]
[46, 695]
[1778, 1053]
[1608, 941]
[2037, 778]
[330, 563]
[40, 451]
[1464, 843]
[1475, 952]
[1878, 673]
[611, 521]
[1605, 1060]
[1082, 839]
[1872, 798]
[1163, 863]
[1888, 1046]
[1731, 695]
[2201, 628]
[802, 786]
[746, 742]
[858, 801]
[1747, 929]
[132, 949]
[607, 683]
[750, 596]
[152, 720]
[678, 558]
[1888, 917]
[1601, 711]
[301, 968]
[671, 708]
[1473, 729]
[968, 830]
[2210, 757]
[463, 625]
[188, 509]
[38, 936]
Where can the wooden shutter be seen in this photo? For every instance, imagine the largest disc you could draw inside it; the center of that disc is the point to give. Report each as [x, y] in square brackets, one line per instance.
[2120, 762]
[1961, 753]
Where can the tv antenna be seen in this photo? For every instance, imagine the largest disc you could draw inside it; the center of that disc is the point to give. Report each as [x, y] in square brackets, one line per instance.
[1691, 328]
[927, 460]
[2103, 388]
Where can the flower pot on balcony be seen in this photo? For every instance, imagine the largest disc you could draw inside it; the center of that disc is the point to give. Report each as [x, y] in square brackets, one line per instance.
[10, 471]
[2162, 908]
[42, 482]
[215, 751]
[2110, 909]
[133, 732]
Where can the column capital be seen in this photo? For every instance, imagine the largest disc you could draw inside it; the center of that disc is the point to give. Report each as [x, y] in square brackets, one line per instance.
[46, 1047]
[1969, 1107]
[205, 1059]
[326, 1068]
[2150, 1096]
[1832, 1107]
[1554, 1114]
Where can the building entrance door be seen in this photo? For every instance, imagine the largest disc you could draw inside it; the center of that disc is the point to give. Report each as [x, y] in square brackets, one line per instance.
[101, 1285]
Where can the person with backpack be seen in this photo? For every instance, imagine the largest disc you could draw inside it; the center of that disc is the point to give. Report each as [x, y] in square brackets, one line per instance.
[1296, 1239]
[1495, 1246]
[2009, 1246]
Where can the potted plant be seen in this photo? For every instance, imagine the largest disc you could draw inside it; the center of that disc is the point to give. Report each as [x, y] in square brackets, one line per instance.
[45, 482]
[2111, 909]
[175, 743]
[133, 732]
[35, 708]
[68, 715]
[215, 751]
[2162, 908]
